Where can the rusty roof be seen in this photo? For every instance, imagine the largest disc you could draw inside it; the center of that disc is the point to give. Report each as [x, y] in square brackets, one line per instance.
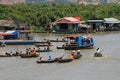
[6, 22]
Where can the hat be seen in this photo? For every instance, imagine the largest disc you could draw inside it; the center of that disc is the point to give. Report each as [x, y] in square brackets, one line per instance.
[73, 51]
[78, 50]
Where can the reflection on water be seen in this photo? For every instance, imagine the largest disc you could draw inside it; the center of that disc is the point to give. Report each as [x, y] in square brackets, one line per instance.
[86, 68]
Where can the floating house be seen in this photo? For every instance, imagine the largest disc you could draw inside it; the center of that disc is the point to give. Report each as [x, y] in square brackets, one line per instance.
[96, 23]
[16, 37]
[8, 25]
[111, 24]
[105, 24]
[66, 25]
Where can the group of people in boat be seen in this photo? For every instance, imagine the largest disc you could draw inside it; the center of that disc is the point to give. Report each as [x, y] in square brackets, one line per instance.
[30, 51]
[72, 56]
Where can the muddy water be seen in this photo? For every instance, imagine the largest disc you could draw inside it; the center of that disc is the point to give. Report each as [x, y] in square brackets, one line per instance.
[86, 68]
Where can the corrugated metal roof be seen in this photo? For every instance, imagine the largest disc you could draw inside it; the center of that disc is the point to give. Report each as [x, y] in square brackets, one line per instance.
[111, 20]
[72, 19]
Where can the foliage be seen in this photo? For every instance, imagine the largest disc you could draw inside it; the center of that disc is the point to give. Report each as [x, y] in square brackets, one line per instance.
[42, 15]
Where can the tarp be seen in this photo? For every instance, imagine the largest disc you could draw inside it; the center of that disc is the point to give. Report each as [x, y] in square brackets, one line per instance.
[79, 40]
[12, 34]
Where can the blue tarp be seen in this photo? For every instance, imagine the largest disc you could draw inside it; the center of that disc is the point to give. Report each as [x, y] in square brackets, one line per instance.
[14, 36]
[81, 42]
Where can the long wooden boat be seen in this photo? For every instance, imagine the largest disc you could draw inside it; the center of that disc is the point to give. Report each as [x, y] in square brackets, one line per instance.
[60, 47]
[5, 55]
[49, 61]
[43, 50]
[77, 47]
[64, 60]
[42, 45]
[28, 55]
[56, 40]
[97, 55]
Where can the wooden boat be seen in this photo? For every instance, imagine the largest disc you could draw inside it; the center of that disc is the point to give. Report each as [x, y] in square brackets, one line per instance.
[28, 55]
[77, 56]
[65, 60]
[77, 48]
[42, 45]
[56, 40]
[60, 47]
[43, 50]
[97, 55]
[5, 55]
[2, 45]
[49, 61]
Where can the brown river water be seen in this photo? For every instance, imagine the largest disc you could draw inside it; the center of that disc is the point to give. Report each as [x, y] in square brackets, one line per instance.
[86, 68]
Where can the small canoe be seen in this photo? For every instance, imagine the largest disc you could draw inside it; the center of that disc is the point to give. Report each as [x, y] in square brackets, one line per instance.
[5, 55]
[97, 55]
[43, 50]
[49, 61]
[60, 47]
[42, 45]
[28, 55]
[65, 60]
[56, 40]
[45, 61]
[77, 48]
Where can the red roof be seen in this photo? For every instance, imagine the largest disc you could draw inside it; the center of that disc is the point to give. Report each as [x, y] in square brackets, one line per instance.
[68, 20]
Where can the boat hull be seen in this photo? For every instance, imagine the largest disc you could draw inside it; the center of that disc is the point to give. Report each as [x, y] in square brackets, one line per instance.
[17, 42]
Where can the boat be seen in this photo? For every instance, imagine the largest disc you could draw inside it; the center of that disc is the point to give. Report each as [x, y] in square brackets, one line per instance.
[97, 55]
[17, 37]
[49, 61]
[28, 55]
[78, 47]
[79, 42]
[60, 47]
[43, 50]
[5, 55]
[65, 60]
[57, 40]
[42, 45]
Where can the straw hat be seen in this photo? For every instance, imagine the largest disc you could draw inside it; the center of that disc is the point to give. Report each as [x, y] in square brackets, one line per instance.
[73, 51]
[78, 50]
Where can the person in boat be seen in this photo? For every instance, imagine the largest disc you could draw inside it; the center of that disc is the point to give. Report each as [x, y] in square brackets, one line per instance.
[34, 51]
[98, 50]
[63, 45]
[78, 52]
[48, 48]
[27, 51]
[49, 58]
[72, 56]
[9, 54]
[73, 52]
